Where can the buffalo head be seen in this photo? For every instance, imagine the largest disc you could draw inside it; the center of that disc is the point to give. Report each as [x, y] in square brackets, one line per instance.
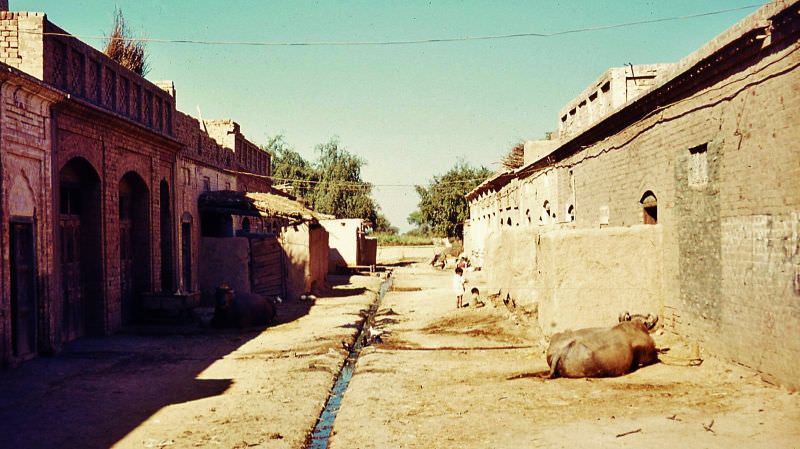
[649, 321]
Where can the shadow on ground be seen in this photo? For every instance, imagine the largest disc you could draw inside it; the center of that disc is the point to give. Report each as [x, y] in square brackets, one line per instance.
[99, 389]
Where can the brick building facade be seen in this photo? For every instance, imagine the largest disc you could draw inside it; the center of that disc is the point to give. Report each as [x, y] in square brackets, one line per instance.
[99, 187]
[683, 200]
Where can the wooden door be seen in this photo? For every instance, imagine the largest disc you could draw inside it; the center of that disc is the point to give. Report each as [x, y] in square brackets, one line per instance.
[71, 285]
[267, 270]
[126, 269]
[186, 252]
[23, 290]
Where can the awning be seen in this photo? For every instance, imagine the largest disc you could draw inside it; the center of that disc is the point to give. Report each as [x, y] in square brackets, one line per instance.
[255, 204]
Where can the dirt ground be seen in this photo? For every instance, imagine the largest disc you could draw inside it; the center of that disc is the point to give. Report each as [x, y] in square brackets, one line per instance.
[209, 389]
[472, 378]
[442, 377]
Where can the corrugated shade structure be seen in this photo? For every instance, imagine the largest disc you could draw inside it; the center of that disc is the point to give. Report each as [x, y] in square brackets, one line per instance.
[256, 204]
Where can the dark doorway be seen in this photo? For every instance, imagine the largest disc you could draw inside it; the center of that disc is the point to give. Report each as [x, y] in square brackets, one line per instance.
[649, 208]
[167, 284]
[186, 251]
[134, 244]
[80, 237]
[23, 290]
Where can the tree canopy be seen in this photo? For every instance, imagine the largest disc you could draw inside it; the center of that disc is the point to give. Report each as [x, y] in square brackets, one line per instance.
[442, 207]
[331, 184]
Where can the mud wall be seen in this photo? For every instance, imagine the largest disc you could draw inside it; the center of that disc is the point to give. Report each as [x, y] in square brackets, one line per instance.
[306, 254]
[388, 254]
[510, 264]
[343, 241]
[587, 277]
[226, 260]
[576, 278]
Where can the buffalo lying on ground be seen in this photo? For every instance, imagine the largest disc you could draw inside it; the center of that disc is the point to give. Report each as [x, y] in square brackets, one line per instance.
[243, 310]
[604, 352]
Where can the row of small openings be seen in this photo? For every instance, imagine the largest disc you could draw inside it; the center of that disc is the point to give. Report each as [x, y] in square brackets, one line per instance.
[546, 212]
[592, 97]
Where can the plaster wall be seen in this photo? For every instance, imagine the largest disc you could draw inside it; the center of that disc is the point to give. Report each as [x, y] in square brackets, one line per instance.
[227, 260]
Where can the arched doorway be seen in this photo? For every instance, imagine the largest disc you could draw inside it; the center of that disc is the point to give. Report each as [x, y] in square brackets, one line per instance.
[649, 208]
[134, 243]
[80, 238]
[167, 277]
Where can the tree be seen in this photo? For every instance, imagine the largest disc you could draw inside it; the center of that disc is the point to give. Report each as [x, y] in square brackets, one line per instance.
[122, 47]
[442, 207]
[383, 225]
[340, 190]
[290, 171]
[331, 185]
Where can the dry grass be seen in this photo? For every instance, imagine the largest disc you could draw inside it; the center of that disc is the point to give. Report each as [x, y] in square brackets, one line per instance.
[125, 49]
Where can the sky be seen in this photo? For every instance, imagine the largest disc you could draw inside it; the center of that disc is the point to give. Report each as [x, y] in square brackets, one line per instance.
[410, 111]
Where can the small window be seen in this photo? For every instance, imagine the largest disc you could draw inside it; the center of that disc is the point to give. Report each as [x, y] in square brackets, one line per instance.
[545, 215]
[187, 178]
[649, 208]
[698, 166]
[206, 184]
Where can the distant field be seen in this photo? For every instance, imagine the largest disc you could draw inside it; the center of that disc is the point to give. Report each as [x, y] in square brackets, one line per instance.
[401, 240]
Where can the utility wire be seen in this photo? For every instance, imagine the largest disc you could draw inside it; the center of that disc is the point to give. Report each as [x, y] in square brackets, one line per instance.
[399, 42]
[353, 184]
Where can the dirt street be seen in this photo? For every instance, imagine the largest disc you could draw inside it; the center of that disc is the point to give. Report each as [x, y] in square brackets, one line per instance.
[209, 389]
[441, 377]
[470, 378]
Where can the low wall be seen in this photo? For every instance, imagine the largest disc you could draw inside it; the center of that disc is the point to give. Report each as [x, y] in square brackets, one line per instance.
[589, 276]
[510, 264]
[390, 254]
[225, 259]
[306, 256]
[576, 278]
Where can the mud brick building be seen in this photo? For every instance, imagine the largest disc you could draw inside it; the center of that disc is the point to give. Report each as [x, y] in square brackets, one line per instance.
[682, 198]
[100, 177]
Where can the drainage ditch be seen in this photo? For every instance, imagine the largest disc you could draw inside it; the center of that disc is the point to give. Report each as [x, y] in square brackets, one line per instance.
[322, 430]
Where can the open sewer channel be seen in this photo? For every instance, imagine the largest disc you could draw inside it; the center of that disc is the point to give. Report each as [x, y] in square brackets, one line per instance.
[322, 431]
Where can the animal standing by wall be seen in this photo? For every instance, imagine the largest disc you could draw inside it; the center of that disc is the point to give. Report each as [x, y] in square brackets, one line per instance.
[604, 352]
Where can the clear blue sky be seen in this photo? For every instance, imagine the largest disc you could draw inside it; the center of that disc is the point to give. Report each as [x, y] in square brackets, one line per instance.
[410, 111]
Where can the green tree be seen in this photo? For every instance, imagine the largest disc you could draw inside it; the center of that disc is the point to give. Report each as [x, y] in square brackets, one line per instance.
[331, 185]
[383, 225]
[290, 171]
[340, 191]
[442, 207]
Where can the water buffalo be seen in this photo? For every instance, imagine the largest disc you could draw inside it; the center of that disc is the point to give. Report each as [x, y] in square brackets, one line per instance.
[242, 309]
[603, 352]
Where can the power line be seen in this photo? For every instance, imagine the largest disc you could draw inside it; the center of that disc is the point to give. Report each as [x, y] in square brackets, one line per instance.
[353, 184]
[400, 42]
[364, 184]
